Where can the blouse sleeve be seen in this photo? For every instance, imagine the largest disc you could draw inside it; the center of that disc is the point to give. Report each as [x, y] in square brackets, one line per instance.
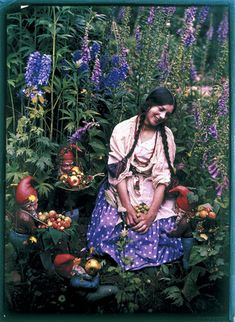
[119, 147]
[160, 172]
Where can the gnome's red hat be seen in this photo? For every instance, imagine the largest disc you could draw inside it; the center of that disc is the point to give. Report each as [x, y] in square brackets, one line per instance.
[25, 192]
[64, 264]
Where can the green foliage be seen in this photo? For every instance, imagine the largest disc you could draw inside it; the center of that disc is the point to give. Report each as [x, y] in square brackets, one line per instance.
[36, 128]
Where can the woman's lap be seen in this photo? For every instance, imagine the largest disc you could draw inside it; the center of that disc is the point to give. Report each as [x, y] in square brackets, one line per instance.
[141, 250]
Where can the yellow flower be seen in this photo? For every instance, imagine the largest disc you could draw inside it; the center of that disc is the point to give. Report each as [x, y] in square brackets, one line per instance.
[83, 91]
[203, 236]
[32, 198]
[33, 239]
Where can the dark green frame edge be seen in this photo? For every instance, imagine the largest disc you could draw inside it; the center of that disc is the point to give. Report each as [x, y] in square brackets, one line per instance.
[12, 5]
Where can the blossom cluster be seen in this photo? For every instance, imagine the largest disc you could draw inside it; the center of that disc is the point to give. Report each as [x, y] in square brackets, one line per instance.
[38, 69]
[223, 30]
[168, 10]
[223, 100]
[151, 16]
[202, 15]
[188, 36]
[78, 134]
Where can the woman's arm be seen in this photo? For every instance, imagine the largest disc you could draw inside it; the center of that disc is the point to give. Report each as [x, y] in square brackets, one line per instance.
[146, 220]
[131, 217]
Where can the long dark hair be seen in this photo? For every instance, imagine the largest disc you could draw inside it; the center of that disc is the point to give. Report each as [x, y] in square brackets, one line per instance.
[157, 97]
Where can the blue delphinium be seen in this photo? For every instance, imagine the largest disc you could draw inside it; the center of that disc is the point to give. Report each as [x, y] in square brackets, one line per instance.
[45, 70]
[189, 15]
[188, 36]
[203, 14]
[121, 14]
[223, 30]
[94, 50]
[115, 60]
[168, 10]
[32, 69]
[77, 55]
[38, 70]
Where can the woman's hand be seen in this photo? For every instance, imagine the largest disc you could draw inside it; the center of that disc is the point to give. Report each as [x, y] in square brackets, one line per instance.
[131, 217]
[145, 221]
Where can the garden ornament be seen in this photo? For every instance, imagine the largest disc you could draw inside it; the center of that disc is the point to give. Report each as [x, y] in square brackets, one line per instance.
[25, 193]
[183, 222]
[67, 158]
[182, 199]
[85, 279]
[25, 218]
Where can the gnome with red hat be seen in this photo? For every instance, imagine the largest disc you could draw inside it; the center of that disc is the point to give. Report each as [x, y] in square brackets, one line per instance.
[85, 279]
[184, 227]
[24, 219]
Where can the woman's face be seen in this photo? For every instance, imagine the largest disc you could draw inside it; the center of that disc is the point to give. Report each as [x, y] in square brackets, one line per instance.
[158, 114]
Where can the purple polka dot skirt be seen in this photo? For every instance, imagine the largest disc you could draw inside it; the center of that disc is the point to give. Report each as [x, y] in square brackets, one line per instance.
[134, 251]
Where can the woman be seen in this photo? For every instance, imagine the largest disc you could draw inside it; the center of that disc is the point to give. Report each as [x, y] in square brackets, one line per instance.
[140, 167]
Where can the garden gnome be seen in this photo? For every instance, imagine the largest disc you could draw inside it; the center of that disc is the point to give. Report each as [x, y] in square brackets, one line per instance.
[86, 279]
[183, 222]
[24, 219]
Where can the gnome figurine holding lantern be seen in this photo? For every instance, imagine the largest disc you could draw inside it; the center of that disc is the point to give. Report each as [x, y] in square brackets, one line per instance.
[25, 217]
[85, 279]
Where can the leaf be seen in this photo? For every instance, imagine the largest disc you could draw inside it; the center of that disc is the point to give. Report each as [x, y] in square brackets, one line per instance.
[56, 235]
[198, 254]
[174, 293]
[98, 146]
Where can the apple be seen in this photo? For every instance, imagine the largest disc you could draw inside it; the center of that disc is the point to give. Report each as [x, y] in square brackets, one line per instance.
[203, 214]
[73, 181]
[212, 215]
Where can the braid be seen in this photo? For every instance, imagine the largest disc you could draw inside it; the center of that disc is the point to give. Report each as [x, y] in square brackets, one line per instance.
[141, 123]
[166, 148]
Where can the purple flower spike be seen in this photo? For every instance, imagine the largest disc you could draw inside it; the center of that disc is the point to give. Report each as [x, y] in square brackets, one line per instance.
[213, 170]
[38, 70]
[219, 190]
[203, 13]
[151, 16]
[223, 30]
[86, 56]
[213, 131]
[223, 100]
[96, 74]
[121, 14]
[168, 10]
[189, 15]
[138, 38]
[94, 50]
[44, 73]
[164, 64]
[210, 33]
[77, 136]
[193, 72]
[188, 37]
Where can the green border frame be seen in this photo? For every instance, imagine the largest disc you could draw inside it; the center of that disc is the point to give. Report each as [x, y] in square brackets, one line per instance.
[12, 5]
